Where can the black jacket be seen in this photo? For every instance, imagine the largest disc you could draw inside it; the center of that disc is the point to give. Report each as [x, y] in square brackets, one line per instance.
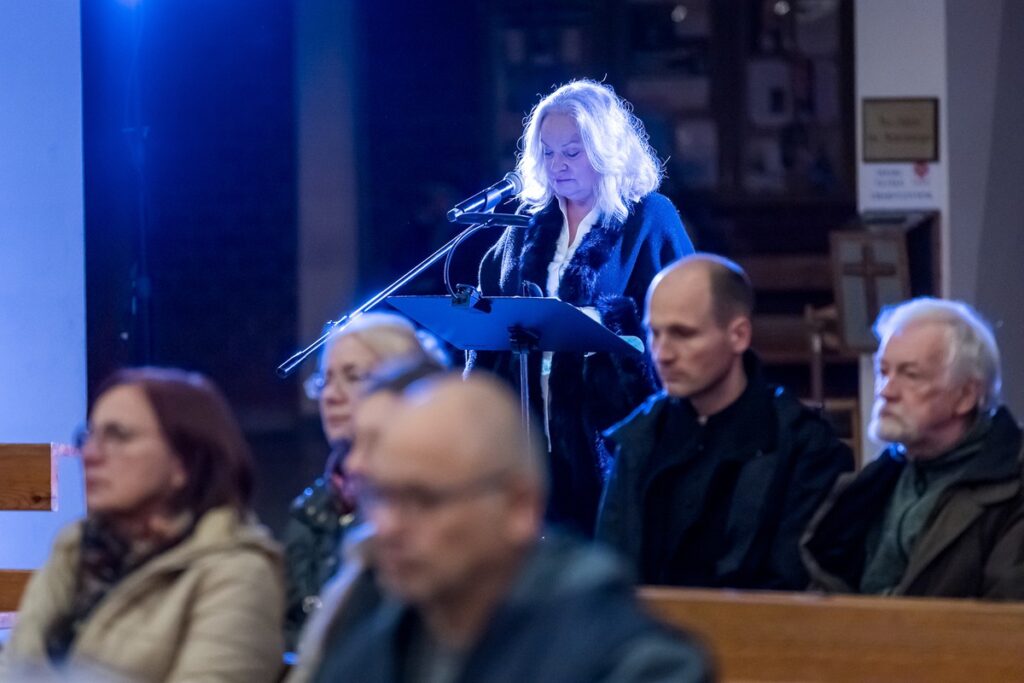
[775, 492]
[610, 270]
[312, 539]
[570, 616]
[972, 545]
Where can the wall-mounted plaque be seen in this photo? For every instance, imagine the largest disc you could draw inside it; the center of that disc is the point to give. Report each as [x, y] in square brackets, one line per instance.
[901, 130]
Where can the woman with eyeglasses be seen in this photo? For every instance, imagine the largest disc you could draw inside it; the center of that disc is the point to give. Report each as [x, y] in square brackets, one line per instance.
[169, 577]
[322, 513]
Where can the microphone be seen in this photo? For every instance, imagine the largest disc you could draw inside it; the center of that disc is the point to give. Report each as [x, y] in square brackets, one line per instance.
[487, 199]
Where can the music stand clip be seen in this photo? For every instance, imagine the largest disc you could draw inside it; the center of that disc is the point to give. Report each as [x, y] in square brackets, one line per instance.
[468, 296]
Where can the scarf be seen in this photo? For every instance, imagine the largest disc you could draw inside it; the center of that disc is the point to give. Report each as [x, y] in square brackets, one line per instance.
[105, 558]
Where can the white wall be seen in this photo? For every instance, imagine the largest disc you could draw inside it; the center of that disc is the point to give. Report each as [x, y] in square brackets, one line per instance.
[900, 52]
[899, 49]
[985, 54]
[42, 278]
[969, 55]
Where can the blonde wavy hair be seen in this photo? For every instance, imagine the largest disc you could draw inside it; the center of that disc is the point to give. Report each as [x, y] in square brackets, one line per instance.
[615, 142]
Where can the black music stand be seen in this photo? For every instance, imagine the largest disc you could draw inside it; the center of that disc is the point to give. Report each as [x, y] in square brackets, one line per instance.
[512, 323]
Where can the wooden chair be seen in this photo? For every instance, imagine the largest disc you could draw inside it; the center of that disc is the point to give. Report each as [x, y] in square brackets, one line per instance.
[27, 483]
[772, 637]
[806, 336]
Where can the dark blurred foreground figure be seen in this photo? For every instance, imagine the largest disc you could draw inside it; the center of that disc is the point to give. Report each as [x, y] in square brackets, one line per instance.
[714, 479]
[462, 588]
[168, 578]
[941, 511]
[599, 234]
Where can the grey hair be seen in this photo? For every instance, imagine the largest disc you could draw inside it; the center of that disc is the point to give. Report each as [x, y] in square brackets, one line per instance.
[973, 352]
[615, 141]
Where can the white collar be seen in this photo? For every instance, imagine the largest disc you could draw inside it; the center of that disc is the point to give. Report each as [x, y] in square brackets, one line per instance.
[588, 222]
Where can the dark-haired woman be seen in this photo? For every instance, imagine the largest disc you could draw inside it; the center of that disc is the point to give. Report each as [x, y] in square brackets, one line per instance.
[168, 578]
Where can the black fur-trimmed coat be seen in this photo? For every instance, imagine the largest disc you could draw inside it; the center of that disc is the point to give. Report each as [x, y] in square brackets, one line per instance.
[611, 271]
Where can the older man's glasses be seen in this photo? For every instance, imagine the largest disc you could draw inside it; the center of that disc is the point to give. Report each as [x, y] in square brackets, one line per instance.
[415, 500]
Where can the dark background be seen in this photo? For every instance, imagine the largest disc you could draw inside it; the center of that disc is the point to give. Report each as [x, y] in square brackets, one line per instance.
[191, 180]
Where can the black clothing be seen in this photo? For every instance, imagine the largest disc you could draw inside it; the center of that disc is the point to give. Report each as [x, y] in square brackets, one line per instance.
[610, 270]
[570, 616]
[312, 541]
[720, 503]
[691, 488]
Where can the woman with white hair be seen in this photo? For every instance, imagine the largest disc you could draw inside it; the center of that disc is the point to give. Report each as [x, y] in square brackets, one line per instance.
[322, 513]
[599, 234]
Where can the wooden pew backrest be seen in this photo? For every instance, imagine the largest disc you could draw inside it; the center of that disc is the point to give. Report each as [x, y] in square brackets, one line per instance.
[26, 477]
[27, 483]
[761, 636]
[12, 585]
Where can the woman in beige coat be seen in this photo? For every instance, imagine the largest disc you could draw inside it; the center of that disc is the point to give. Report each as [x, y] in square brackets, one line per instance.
[168, 578]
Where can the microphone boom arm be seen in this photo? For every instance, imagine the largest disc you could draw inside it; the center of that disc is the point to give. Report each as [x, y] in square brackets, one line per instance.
[289, 366]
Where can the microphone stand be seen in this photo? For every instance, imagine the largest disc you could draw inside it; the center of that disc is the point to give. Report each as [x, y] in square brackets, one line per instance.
[476, 221]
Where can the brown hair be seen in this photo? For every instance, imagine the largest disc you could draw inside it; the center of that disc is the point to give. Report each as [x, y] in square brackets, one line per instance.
[201, 429]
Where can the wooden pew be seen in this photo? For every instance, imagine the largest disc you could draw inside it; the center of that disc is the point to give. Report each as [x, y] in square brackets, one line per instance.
[26, 477]
[12, 585]
[26, 483]
[762, 636]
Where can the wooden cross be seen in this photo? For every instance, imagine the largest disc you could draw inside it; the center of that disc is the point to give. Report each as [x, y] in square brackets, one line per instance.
[870, 271]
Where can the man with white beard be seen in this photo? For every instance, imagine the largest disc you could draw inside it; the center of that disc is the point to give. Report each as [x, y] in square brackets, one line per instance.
[941, 511]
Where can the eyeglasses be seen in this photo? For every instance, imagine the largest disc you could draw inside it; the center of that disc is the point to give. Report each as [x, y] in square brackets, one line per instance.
[414, 501]
[350, 379]
[110, 437]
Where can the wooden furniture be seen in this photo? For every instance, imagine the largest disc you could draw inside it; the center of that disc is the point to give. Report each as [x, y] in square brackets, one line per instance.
[12, 585]
[744, 99]
[27, 483]
[26, 477]
[871, 271]
[799, 344]
[762, 636]
[785, 337]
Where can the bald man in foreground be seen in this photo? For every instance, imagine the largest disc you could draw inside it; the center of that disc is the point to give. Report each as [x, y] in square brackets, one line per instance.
[715, 478]
[455, 494]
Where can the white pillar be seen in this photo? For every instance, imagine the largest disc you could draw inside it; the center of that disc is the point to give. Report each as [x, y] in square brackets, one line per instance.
[42, 269]
[985, 114]
[900, 51]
